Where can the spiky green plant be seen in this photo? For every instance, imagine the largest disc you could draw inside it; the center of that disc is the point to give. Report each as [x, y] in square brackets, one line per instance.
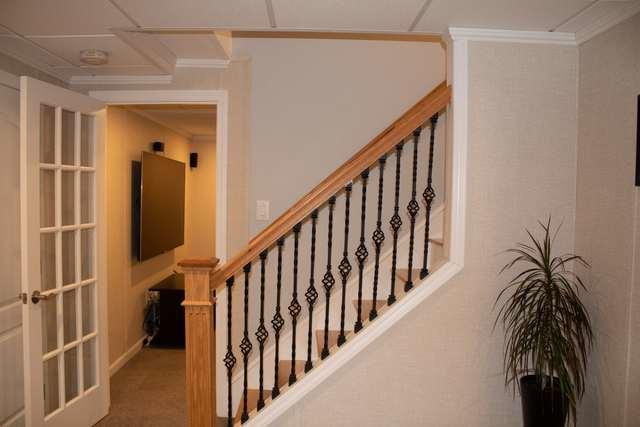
[547, 328]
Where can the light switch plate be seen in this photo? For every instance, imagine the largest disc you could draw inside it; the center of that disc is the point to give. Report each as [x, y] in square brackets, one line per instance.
[262, 210]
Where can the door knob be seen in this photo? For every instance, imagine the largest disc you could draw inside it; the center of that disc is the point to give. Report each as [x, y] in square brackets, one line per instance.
[36, 296]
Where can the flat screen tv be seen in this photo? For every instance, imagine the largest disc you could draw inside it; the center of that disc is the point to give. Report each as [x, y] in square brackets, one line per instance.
[157, 205]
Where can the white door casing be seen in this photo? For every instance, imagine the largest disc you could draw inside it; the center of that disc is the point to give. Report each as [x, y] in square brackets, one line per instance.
[63, 247]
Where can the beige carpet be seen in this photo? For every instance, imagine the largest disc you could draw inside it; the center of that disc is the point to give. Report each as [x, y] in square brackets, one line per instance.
[149, 390]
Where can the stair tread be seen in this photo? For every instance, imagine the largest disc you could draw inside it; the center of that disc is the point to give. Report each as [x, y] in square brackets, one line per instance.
[284, 369]
[367, 304]
[252, 401]
[332, 338]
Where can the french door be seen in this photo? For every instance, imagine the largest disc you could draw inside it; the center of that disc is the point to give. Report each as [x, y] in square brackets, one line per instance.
[62, 235]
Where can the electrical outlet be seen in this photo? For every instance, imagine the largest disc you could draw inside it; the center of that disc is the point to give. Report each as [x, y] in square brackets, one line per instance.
[262, 210]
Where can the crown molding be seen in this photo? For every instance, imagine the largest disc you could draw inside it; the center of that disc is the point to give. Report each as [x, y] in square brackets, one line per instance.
[511, 36]
[120, 80]
[202, 63]
[607, 21]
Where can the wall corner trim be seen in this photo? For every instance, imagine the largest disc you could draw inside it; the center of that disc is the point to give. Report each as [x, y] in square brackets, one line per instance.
[511, 36]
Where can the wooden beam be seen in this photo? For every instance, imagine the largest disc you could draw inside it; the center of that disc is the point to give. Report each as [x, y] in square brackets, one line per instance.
[336, 35]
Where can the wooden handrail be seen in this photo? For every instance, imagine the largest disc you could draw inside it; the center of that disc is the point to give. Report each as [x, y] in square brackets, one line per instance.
[432, 103]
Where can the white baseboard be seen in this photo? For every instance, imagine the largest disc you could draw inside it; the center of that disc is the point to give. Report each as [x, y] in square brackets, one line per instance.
[128, 355]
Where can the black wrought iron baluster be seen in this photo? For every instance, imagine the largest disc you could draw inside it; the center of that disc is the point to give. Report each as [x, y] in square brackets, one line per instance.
[312, 294]
[378, 239]
[361, 252]
[328, 280]
[396, 223]
[245, 345]
[413, 208]
[277, 322]
[261, 333]
[229, 358]
[345, 265]
[294, 306]
[428, 195]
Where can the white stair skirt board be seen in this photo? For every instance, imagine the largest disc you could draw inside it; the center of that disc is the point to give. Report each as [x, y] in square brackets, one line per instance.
[436, 231]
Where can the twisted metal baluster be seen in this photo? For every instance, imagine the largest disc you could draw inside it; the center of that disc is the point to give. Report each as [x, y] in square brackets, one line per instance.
[345, 265]
[312, 294]
[378, 239]
[413, 208]
[396, 223]
[277, 322]
[428, 196]
[245, 345]
[328, 280]
[261, 333]
[229, 358]
[294, 306]
[361, 252]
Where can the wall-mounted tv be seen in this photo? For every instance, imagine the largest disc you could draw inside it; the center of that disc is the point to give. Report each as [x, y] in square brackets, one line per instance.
[157, 205]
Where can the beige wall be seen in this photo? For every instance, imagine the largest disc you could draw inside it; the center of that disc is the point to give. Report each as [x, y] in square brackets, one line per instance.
[607, 215]
[200, 231]
[316, 102]
[129, 134]
[441, 365]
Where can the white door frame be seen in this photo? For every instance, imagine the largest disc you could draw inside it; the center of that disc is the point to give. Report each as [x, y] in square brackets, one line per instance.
[219, 98]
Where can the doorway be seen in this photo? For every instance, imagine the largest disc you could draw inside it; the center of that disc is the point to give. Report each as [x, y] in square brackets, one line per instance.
[161, 172]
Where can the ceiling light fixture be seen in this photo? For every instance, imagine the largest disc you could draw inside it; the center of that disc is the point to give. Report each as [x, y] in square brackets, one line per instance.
[94, 57]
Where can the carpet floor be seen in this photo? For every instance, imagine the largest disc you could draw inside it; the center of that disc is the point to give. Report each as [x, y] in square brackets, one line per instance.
[149, 391]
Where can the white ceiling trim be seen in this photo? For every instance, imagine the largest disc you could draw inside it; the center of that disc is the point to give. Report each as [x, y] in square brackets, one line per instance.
[511, 36]
[120, 80]
[610, 20]
[202, 63]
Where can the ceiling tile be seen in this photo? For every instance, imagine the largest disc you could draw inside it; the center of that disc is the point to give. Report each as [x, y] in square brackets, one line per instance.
[55, 17]
[364, 15]
[27, 52]
[69, 48]
[197, 13]
[193, 45]
[600, 11]
[538, 15]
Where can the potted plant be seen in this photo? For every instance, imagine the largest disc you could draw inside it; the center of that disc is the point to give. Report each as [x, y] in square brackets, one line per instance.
[547, 329]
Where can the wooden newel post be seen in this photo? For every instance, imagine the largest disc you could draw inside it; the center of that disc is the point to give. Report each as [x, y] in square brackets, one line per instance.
[200, 341]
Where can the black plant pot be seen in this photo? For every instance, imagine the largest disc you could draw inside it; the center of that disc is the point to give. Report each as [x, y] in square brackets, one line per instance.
[542, 408]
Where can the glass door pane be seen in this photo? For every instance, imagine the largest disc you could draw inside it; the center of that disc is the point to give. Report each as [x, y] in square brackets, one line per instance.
[67, 255]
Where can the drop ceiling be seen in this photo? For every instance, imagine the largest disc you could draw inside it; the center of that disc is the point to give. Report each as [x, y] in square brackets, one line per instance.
[152, 37]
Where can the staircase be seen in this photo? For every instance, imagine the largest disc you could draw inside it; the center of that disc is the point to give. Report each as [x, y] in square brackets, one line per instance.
[322, 281]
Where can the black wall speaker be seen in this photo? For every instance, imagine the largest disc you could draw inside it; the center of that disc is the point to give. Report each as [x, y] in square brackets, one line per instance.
[193, 160]
[157, 146]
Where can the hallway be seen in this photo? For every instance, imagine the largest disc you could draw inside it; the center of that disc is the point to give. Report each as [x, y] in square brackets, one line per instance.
[149, 390]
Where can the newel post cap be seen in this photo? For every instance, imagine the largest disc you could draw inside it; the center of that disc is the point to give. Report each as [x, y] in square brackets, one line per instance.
[199, 263]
